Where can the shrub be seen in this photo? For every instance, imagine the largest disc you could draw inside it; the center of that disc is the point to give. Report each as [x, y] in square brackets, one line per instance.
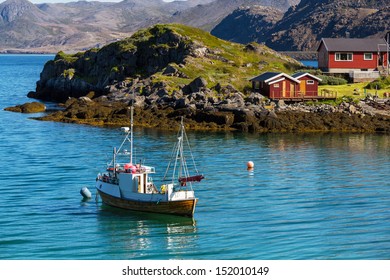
[330, 80]
[381, 83]
[69, 73]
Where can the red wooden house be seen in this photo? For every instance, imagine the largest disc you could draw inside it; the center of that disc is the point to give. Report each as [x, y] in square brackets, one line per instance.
[299, 86]
[349, 55]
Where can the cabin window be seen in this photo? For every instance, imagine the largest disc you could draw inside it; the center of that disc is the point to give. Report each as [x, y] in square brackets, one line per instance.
[276, 85]
[368, 56]
[256, 85]
[310, 82]
[344, 56]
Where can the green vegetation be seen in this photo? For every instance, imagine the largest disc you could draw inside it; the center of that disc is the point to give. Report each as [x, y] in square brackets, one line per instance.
[330, 80]
[223, 62]
[382, 83]
[70, 58]
[356, 91]
[69, 73]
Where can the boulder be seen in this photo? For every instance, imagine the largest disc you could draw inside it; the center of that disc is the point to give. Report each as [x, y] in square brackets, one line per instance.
[170, 71]
[85, 99]
[281, 104]
[195, 86]
[254, 98]
[33, 107]
[181, 103]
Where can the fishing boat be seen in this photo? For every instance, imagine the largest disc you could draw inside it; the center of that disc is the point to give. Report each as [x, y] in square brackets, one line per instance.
[129, 185]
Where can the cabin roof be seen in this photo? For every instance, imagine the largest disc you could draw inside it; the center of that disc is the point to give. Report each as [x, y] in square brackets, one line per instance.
[353, 44]
[303, 74]
[268, 77]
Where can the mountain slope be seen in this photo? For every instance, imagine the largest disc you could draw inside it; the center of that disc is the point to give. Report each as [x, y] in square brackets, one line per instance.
[303, 26]
[78, 25]
[248, 24]
[209, 15]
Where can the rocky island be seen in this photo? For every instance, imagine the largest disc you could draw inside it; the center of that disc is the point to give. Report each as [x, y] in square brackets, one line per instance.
[169, 71]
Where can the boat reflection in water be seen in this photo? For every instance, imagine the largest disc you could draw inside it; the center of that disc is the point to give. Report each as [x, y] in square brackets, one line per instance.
[138, 235]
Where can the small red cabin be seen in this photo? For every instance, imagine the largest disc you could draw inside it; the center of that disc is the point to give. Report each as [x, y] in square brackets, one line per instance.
[297, 87]
[275, 85]
[308, 84]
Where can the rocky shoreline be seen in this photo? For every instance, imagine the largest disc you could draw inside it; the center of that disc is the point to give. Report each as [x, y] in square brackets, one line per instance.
[203, 110]
[173, 71]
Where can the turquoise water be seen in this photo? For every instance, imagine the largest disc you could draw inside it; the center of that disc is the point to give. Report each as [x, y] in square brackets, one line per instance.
[310, 63]
[310, 196]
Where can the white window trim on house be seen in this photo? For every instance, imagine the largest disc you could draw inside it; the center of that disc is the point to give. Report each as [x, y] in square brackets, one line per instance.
[338, 57]
[310, 82]
[371, 57]
[276, 85]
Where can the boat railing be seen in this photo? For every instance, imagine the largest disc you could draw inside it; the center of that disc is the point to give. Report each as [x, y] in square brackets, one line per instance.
[120, 168]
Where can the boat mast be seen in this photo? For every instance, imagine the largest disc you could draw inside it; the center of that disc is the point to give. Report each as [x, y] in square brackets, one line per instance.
[114, 161]
[131, 133]
[180, 148]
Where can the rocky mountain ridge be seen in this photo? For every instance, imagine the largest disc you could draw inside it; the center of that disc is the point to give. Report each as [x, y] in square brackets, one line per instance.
[281, 24]
[258, 21]
[217, 10]
[51, 27]
[302, 26]
[74, 26]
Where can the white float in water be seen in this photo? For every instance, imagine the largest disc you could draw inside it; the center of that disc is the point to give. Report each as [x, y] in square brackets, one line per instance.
[85, 192]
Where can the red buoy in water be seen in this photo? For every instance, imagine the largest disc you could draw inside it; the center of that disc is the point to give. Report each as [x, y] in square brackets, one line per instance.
[250, 165]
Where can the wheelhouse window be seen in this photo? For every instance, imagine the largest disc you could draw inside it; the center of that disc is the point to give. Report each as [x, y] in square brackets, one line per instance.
[344, 56]
[310, 82]
[368, 56]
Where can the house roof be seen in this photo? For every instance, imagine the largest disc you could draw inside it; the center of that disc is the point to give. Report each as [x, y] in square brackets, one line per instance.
[303, 74]
[269, 77]
[353, 44]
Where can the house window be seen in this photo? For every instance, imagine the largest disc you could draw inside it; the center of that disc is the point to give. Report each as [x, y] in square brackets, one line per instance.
[276, 85]
[344, 56]
[256, 85]
[310, 82]
[368, 56]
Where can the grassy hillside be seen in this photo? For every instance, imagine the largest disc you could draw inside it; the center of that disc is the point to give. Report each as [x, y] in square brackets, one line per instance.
[228, 63]
[195, 53]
